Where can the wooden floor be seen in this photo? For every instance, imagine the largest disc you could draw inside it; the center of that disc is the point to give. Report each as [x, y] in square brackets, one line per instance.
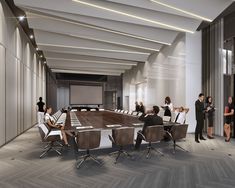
[209, 164]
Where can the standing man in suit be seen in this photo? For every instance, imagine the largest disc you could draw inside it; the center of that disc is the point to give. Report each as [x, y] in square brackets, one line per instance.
[151, 118]
[200, 114]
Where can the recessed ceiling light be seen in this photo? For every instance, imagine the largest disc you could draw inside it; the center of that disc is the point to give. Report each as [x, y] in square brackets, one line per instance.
[183, 11]
[37, 48]
[134, 16]
[41, 56]
[31, 36]
[21, 18]
[45, 62]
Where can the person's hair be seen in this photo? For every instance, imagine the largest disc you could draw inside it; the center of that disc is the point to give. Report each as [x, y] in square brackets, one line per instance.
[168, 100]
[40, 98]
[231, 98]
[207, 99]
[48, 107]
[156, 109]
[182, 108]
[200, 95]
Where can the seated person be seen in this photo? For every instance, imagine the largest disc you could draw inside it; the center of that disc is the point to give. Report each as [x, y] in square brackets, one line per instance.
[141, 108]
[51, 123]
[180, 114]
[151, 118]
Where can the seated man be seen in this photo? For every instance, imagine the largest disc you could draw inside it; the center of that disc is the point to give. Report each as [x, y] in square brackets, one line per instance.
[180, 114]
[51, 123]
[151, 118]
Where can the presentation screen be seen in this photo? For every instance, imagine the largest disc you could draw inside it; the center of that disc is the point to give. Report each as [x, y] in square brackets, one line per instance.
[80, 94]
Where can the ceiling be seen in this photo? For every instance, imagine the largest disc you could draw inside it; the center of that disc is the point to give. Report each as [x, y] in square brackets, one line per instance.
[108, 37]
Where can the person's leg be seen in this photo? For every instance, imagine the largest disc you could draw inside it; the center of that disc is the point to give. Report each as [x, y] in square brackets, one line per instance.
[138, 141]
[201, 129]
[41, 117]
[229, 131]
[197, 131]
[64, 137]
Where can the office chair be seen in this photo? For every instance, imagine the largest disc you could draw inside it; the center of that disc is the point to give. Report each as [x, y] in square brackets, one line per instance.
[166, 118]
[83, 110]
[87, 140]
[134, 113]
[130, 113]
[140, 114]
[52, 138]
[93, 110]
[121, 137]
[125, 112]
[122, 111]
[178, 132]
[152, 134]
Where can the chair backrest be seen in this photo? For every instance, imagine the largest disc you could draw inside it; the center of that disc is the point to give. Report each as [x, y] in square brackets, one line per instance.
[43, 131]
[122, 111]
[125, 112]
[101, 109]
[88, 139]
[179, 131]
[83, 110]
[134, 113]
[123, 136]
[119, 110]
[140, 114]
[74, 110]
[154, 133]
[93, 110]
[130, 112]
[166, 118]
[115, 110]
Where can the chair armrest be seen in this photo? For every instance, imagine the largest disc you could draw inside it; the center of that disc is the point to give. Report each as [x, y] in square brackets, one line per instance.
[141, 135]
[111, 139]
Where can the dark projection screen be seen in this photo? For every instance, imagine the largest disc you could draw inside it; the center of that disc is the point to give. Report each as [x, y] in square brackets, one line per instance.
[80, 94]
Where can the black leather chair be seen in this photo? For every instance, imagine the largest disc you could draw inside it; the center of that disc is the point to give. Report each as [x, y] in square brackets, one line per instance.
[152, 134]
[178, 132]
[87, 140]
[121, 137]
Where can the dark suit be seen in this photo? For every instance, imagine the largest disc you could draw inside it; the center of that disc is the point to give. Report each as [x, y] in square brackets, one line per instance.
[200, 115]
[142, 109]
[148, 120]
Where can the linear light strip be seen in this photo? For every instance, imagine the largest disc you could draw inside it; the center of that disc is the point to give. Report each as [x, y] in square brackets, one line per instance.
[95, 49]
[134, 16]
[83, 72]
[183, 11]
[116, 43]
[91, 61]
[103, 29]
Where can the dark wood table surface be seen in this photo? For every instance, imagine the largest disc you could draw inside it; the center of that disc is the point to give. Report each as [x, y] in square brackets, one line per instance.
[99, 119]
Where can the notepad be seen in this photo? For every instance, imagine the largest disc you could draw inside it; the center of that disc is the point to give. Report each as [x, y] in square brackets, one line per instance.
[113, 126]
[138, 124]
[84, 127]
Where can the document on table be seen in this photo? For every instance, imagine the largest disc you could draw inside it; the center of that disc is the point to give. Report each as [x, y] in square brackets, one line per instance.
[113, 126]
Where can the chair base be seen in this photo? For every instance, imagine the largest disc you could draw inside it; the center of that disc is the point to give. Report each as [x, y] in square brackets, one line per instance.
[86, 157]
[119, 152]
[176, 145]
[49, 147]
[150, 148]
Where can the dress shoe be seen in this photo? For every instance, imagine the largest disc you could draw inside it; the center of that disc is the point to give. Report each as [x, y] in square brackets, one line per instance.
[202, 138]
[197, 141]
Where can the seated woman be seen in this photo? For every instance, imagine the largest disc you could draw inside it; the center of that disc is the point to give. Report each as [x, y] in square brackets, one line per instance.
[51, 122]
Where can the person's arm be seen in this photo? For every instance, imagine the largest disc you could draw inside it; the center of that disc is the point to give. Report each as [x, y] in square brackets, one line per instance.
[186, 110]
[230, 113]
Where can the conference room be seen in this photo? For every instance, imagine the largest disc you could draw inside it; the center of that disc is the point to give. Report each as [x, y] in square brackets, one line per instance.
[117, 93]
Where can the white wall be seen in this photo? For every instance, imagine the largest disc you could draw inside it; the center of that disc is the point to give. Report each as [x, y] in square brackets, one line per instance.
[193, 75]
[20, 77]
[174, 72]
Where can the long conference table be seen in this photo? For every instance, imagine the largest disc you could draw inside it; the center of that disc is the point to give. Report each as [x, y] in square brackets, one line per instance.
[103, 120]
